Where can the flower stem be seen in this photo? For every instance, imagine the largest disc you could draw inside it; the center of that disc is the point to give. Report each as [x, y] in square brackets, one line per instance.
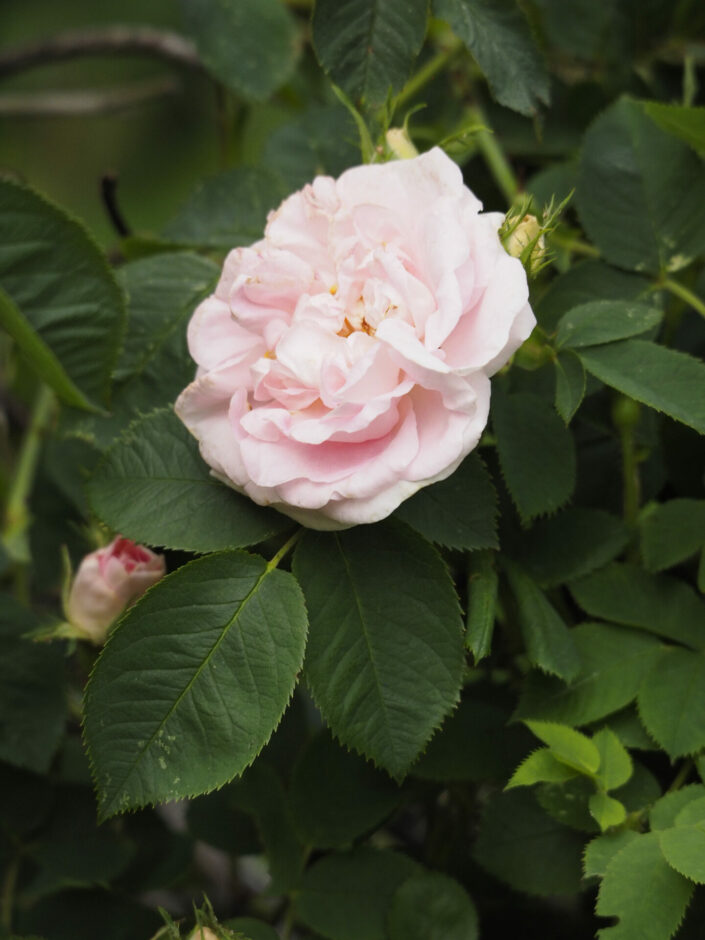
[494, 156]
[14, 534]
[427, 73]
[286, 547]
[686, 295]
[576, 245]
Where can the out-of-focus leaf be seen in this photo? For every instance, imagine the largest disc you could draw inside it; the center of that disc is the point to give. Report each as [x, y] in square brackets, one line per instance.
[249, 47]
[40, 245]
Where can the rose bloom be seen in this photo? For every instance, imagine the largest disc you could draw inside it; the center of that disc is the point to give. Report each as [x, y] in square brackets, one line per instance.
[107, 582]
[344, 359]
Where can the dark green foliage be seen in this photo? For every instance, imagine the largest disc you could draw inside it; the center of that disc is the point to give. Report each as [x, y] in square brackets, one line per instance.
[483, 717]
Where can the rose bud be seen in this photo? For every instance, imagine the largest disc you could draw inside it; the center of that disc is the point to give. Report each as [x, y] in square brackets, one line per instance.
[526, 234]
[400, 143]
[203, 933]
[107, 582]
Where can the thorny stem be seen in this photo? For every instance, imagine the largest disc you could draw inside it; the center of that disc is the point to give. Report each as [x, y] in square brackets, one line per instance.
[16, 510]
[286, 547]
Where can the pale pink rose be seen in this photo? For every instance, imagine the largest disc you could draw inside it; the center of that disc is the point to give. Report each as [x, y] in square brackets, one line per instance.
[107, 582]
[344, 359]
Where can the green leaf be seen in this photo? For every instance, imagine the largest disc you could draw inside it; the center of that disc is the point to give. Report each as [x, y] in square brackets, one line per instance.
[606, 811]
[260, 792]
[483, 582]
[683, 122]
[323, 140]
[73, 851]
[601, 850]
[647, 896]
[664, 379]
[251, 928]
[336, 796]
[219, 641]
[499, 38]
[368, 47]
[658, 603]
[640, 791]
[250, 47]
[459, 512]
[672, 701]
[570, 384]
[671, 532]
[154, 487]
[32, 692]
[613, 661]
[536, 453]
[628, 727]
[684, 850]
[346, 897]
[615, 763]
[693, 814]
[569, 545]
[227, 210]
[540, 766]
[385, 652]
[523, 847]
[639, 192]
[39, 355]
[475, 743]
[567, 803]
[549, 643]
[664, 812]
[39, 245]
[154, 365]
[567, 745]
[605, 321]
[585, 282]
[431, 906]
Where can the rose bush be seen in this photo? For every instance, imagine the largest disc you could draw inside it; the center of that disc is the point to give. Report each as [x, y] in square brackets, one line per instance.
[107, 582]
[344, 359]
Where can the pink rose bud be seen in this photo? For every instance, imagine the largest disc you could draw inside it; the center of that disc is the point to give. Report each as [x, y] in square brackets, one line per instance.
[107, 582]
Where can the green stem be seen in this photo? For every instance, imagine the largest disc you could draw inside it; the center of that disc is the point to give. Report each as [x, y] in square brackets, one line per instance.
[7, 897]
[494, 157]
[682, 775]
[16, 510]
[573, 244]
[286, 547]
[427, 73]
[686, 295]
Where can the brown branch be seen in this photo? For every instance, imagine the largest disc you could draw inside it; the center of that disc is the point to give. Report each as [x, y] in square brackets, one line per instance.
[112, 40]
[85, 102]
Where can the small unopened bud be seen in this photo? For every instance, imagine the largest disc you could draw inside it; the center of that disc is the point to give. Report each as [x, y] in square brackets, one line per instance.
[400, 144]
[203, 933]
[522, 236]
[107, 582]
